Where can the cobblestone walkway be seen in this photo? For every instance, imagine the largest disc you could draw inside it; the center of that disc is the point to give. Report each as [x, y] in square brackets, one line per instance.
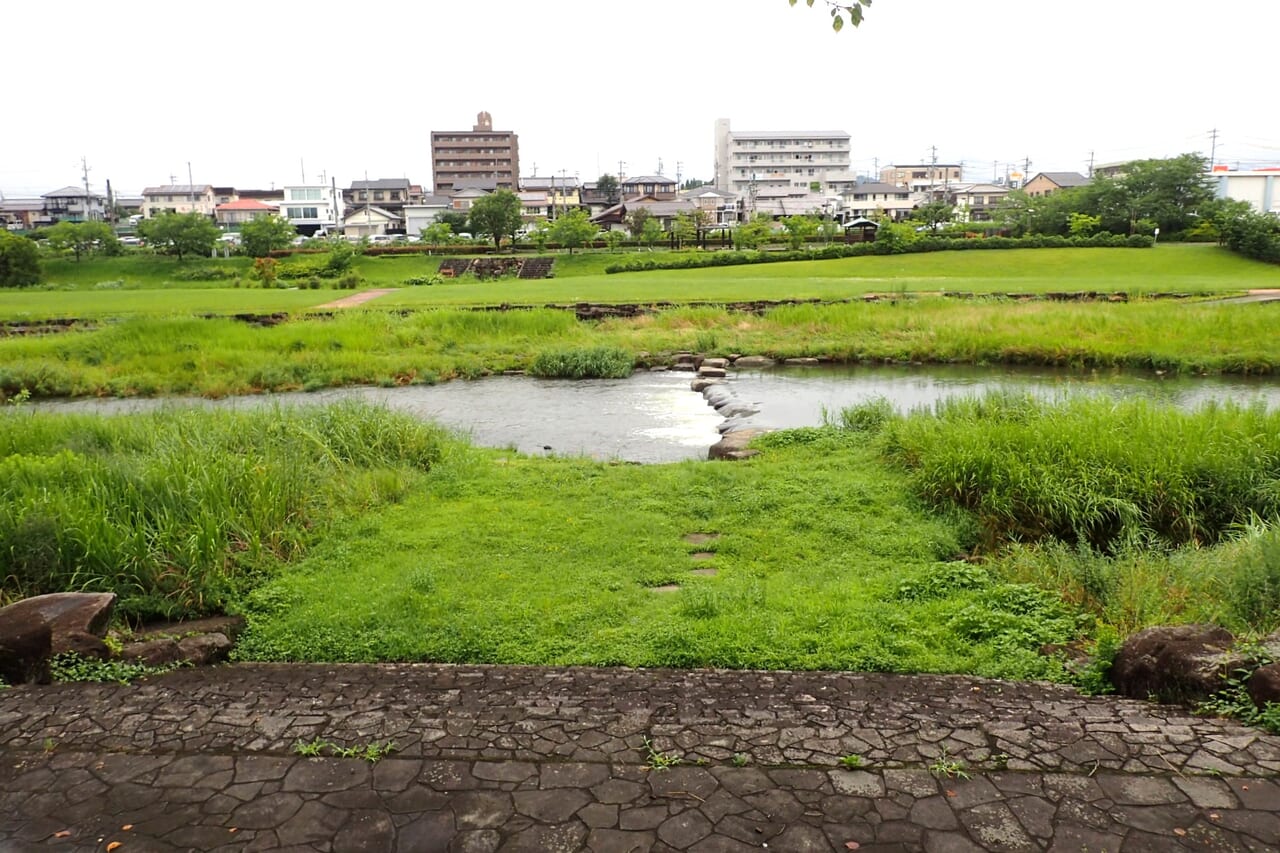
[538, 759]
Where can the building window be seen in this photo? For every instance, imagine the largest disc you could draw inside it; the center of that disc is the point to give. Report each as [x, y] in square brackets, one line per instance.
[377, 195]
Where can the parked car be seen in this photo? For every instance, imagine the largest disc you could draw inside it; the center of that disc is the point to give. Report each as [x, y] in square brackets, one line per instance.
[130, 241]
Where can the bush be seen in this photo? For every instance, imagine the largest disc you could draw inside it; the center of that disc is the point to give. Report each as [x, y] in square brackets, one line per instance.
[204, 273]
[19, 261]
[594, 363]
[350, 281]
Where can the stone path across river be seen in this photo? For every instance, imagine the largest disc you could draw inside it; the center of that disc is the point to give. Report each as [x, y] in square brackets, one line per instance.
[546, 759]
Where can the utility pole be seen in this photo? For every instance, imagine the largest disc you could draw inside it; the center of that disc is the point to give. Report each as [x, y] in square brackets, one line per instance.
[1091, 164]
[1213, 151]
[84, 166]
[1026, 170]
[995, 165]
[190, 180]
[111, 204]
[621, 165]
[659, 165]
[679, 173]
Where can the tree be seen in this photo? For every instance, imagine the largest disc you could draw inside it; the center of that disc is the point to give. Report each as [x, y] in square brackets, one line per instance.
[573, 230]
[82, 237]
[1083, 225]
[799, 229]
[180, 233]
[636, 220]
[753, 233]
[684, 229]
[651, 232]
[840, 10]
[613, 239]
[693, 184]
[933, 213]
[608, 185]
[496, 215]
[19, 261]
[438, 233]
[455, 219]
[261, 236]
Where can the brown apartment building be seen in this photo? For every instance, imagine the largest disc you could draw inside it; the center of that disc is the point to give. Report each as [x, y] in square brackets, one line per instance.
[482, 153]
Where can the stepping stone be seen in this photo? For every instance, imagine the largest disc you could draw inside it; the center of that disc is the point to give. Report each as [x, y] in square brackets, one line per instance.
[700, 538]
[706, 573]
[703, 555]
[666, 587]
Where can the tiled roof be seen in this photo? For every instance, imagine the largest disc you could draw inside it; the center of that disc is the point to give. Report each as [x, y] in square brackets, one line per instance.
[66, 192]
[246, 204]
[177, 189]
[1064, 179]
[381, 184]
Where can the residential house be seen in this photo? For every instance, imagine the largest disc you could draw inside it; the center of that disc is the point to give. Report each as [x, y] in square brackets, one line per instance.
[179, 198]
[225, 195]
[923, 178]
[460, 156]
[1259, 187]
[559, 194]
[1047, 183]
[536, 205]
[595, 200]
[232, 215]
[22, 214]
[312, 207]
[390, 194]
[872, 199]
[649, 186]
[976, 202]
[721, 205]
[748, 162]
[665, 211]
[424, 213]
[782, 202]
[73, 204]
[463, 198]
[369, 221]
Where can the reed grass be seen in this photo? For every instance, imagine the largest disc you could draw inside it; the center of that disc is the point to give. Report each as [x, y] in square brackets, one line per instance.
[174, 511]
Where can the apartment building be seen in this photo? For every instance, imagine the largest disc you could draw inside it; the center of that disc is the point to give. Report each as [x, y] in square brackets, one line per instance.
[749, 162]
[461, 156]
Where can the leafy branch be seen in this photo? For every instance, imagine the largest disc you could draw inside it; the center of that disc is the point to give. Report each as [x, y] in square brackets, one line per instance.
[840, 10]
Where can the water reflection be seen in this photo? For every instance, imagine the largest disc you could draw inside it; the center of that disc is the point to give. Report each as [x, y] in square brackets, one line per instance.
[655, 417]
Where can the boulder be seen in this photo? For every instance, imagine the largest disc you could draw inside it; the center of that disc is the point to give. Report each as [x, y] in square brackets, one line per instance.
[34, 629]
[753, 361]
[802, 361]
[734, 445]
[1264, 685]
[702, 384]
[204, 649]
[714, 362]
[24, 653]
[711, 372]
[1178, 663]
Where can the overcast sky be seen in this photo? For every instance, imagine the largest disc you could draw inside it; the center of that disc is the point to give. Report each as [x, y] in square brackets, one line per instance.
[252, 92]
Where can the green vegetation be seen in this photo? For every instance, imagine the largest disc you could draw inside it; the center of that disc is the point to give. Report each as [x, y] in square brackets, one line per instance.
[70, 666]
[595, 363]
[219, 357]
[176, 511]
[372, 752]
[1133, 511]
[19, 261]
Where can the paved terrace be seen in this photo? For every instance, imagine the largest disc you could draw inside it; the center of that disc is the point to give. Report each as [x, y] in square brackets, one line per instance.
[542, 759]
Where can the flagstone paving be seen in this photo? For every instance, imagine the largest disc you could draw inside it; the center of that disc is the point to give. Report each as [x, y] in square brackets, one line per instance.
[549, 759]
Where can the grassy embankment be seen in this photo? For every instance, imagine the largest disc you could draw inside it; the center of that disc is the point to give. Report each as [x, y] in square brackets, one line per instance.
[220, 357]
[148, 285]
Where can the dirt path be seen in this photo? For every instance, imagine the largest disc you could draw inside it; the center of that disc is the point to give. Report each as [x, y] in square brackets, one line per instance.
[357, 298]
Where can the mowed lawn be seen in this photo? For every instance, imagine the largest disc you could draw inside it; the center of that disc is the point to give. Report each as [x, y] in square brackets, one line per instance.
[137, 285]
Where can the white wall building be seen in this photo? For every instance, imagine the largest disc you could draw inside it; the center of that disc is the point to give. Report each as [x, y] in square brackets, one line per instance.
[310, 207]
[1259, 187]
[804, 160]
[179, 198]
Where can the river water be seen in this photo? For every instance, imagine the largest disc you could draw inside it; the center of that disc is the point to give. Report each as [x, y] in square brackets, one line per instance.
[655, 417]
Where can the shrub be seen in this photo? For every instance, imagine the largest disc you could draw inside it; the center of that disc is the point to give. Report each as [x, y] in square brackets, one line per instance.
[19, 261]
[594, 363]
[350, 281]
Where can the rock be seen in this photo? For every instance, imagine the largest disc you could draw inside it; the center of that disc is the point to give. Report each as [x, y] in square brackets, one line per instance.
[805, 360]
[702, 384]
[712, 372]
[204, 649]
[152, 652]
[715, 362]
[24, 653]
[1264, 685]
[734, 445]
[1180, 663]
[683, 358]
[34, 629]
[753, 361]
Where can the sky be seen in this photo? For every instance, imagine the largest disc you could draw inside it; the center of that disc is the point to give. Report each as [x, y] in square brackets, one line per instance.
[260, 93]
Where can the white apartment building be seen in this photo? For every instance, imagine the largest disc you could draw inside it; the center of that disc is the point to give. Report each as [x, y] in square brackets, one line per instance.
[801, 161]
[310, 207]
[179, 198]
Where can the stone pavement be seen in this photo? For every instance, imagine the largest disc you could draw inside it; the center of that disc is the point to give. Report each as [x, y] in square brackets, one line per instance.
[546, 759]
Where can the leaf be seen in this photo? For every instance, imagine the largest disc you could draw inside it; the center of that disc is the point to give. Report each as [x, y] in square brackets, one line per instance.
[66, 833]
[127, 827]
[851, 845]
[112, 846]
[837, 23]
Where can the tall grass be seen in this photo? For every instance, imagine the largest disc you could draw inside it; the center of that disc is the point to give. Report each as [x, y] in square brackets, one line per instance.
[1093, 470]
[593, 363]
[172, 510]
[1136, 511]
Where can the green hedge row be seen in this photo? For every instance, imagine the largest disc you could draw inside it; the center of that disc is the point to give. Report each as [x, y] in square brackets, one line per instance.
[853, 250]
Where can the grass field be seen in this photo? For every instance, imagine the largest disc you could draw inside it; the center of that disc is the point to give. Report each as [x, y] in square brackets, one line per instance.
[147, 284]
